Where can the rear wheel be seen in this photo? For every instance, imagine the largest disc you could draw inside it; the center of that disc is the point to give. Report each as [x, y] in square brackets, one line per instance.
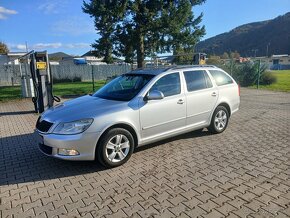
[219, 121]
[115, 147]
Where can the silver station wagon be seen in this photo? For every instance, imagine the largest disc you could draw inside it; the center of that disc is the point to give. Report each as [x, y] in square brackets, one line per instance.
[138, 108]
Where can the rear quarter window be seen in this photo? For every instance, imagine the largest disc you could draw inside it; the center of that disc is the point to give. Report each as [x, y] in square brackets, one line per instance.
[221, 78]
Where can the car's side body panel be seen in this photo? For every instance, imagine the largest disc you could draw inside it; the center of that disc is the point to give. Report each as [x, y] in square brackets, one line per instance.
[160, 116]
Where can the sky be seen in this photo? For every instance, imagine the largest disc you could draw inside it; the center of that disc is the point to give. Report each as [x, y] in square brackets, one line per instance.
[60, 25]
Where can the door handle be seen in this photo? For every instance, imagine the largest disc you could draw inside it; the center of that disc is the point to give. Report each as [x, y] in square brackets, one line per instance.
[214, 94]
[180, 101]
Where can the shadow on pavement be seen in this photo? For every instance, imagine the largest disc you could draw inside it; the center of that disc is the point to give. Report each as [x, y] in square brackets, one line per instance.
[21, 161]
[16, 113]
[193, 134]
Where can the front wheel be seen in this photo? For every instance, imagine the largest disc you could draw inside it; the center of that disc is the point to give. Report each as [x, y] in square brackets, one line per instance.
[115, 147]
[219, 121]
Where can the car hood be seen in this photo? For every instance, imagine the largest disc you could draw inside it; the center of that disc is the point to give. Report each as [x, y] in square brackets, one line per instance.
[80, 108]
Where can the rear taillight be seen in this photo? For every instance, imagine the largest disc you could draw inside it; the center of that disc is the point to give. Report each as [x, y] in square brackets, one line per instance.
[239, 89]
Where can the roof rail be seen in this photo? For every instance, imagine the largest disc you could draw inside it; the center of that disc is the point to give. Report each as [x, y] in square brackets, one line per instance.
[153, 68]
[190, 66]
[162, 68]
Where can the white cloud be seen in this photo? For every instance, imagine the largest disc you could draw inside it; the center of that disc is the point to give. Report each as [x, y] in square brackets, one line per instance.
[52, 6]
[40, 46]
[4, 12]
[74, 26]
[78, 45]
[44, 46]
[21, 47]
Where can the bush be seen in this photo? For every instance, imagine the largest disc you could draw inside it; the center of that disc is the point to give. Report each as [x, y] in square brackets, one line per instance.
[268, 78]
[65, 80]
[246, 74]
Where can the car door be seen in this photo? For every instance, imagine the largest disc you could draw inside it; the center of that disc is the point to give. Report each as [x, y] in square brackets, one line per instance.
[201, 97]
[167, 115]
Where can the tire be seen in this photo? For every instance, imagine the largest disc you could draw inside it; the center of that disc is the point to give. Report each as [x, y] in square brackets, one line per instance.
[115, 147]
[219, 120]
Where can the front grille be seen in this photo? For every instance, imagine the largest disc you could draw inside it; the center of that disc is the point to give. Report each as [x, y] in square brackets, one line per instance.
[43, 126]
[45, 149]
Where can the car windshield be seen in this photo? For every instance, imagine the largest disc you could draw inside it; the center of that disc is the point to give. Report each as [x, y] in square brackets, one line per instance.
[124, 87]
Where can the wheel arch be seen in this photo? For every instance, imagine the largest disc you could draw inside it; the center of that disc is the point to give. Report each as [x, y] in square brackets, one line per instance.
[227, 106]
[123, 126]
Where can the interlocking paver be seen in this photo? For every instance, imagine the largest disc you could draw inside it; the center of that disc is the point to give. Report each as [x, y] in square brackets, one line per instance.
[132, 209]
[213, 214]
[241, 172]
[226, 209]
[178, 209]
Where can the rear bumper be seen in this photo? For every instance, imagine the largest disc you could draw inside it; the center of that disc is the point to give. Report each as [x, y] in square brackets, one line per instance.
[235, 106]
[84, 143]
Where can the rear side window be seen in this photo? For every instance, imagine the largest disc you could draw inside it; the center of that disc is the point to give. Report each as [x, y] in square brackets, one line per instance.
[169, 85]
[220, 77]
[197, 80]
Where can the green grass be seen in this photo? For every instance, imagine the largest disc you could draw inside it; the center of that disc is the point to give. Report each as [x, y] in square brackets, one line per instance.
[76, 88]
[8, 93]
[283, 81]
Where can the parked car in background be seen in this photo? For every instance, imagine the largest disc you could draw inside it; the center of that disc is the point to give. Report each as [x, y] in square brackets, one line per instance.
[138, 108]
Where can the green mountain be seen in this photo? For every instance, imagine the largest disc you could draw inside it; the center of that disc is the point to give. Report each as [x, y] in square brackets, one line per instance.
[272, 35]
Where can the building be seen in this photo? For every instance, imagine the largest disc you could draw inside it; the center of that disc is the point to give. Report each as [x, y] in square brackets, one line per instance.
[11, 58]
[279, 62]
[92, 59]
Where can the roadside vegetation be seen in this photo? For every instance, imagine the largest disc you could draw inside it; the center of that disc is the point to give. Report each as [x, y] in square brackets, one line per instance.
[282, 81]
[246, 74]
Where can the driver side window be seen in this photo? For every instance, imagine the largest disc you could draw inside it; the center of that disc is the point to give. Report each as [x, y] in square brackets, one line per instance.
[169, 85]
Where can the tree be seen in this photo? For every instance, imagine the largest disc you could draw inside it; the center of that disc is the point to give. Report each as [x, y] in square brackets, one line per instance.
[235, 55]
[145, 27]
[214, 60]
[106, 14]
[3, 48]
[182, 29]
[225, 56]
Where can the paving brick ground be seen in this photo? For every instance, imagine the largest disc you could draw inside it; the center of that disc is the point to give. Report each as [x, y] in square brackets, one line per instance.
[243, 172]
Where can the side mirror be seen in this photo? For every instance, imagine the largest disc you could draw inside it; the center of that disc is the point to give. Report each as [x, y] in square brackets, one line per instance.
[154, 95]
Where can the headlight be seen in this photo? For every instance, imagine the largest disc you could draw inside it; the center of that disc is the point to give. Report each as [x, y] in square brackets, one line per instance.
[74, 127]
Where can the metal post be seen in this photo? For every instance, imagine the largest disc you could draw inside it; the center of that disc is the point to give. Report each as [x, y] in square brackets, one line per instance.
[93, 78]
[268, 49]
[259, 71]
[231, 67]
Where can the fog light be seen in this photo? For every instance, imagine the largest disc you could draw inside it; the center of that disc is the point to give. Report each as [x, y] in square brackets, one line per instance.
[67, 152]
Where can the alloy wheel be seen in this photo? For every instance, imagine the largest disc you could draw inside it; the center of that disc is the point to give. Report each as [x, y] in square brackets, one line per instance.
[117, 148]
[220, 120]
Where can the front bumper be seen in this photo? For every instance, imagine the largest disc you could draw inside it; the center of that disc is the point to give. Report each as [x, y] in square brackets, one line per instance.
[84, 143]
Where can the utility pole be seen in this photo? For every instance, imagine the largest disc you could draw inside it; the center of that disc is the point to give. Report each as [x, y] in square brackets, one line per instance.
[268, 49]
[26, 46]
